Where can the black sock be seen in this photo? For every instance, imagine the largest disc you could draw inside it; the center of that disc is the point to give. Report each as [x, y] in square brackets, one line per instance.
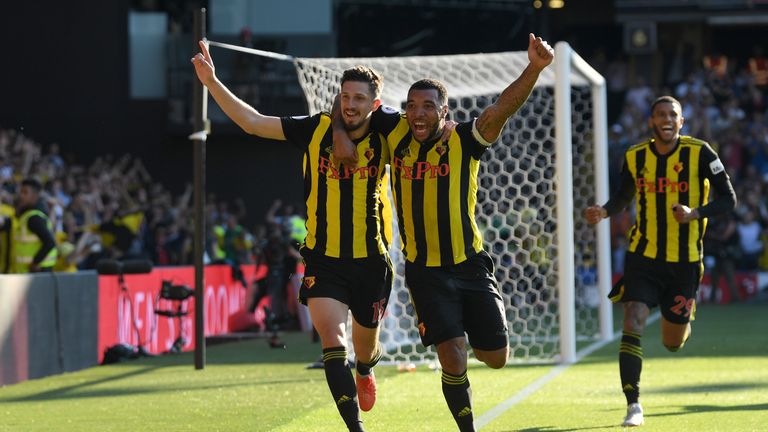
[459, 397]
[365, 368]
[630, 365]
[342, 386]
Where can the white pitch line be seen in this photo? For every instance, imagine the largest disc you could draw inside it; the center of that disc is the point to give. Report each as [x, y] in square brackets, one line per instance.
[531, 388]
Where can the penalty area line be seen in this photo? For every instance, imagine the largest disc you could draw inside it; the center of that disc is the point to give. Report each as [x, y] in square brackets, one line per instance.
[533, 387]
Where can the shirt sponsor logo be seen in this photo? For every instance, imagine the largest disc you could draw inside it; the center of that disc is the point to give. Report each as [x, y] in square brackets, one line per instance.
[420, 170]
[331, 171]
[660, 185]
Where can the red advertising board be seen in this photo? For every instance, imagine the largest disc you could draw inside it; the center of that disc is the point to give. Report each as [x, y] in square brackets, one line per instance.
[127, 314]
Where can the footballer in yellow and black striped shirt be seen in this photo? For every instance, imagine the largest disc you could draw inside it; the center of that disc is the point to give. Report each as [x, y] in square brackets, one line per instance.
[346, 267]
[669, 176]
[434, 186]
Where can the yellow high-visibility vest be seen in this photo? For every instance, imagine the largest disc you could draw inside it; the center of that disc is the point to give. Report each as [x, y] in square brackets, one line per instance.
[26, 244]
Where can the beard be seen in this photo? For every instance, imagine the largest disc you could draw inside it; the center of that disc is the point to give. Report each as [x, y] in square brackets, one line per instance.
[351, 127]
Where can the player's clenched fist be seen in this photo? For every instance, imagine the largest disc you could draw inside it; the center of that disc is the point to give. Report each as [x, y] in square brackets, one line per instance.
[595, 214]
[540, 54]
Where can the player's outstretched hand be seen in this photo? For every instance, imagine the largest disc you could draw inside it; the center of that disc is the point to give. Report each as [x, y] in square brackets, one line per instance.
[203, 62]
[594, 214]
[540, 54]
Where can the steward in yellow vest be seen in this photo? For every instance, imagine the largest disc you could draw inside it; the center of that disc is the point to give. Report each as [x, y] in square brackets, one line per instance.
[34, 247]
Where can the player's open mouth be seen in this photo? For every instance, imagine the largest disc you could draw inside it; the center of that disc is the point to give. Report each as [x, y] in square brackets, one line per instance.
[419, 127]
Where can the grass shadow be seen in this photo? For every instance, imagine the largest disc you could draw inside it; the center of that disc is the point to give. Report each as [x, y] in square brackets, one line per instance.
[710, 388]
[557, 429]
[695, 409]
[66, 393]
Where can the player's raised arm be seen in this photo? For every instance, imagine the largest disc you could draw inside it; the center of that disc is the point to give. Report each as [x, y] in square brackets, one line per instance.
[493, 118]
[250, 120]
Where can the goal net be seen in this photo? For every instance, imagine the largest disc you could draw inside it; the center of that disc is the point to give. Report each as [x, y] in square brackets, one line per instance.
[517, 197]
[534, 182]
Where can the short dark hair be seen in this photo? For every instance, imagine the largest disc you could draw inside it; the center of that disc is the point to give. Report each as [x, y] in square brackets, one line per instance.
[431, 84]
[666, 99]
[33, 183]
[367, 75]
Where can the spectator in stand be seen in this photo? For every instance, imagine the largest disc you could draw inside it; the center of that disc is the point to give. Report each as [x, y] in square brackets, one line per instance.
[616, 75]
[750, 232]
[722, 243]
[66, 261]
[640, 95]
[236, 244]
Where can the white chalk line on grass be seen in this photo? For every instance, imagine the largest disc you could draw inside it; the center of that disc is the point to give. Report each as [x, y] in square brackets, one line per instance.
[531, 388]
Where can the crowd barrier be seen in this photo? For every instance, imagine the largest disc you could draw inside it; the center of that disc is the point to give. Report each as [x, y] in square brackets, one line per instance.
[61, 322]
[48, 324]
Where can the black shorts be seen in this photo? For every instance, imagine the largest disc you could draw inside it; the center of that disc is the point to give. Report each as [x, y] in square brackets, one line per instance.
[452, 300]
[363, 284]
[671, 286]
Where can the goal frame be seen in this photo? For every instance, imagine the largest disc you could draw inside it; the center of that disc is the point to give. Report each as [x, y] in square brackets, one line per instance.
[568, 60]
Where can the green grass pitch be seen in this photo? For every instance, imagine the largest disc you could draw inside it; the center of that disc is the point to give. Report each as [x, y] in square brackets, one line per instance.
[718, 382]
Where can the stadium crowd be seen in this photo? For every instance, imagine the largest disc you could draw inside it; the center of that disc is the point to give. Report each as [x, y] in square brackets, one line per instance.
[113, 208]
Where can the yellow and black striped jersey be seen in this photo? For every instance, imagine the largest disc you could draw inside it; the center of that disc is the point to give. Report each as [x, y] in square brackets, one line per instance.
[657, 182]
[343, 219]
[434, 187]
